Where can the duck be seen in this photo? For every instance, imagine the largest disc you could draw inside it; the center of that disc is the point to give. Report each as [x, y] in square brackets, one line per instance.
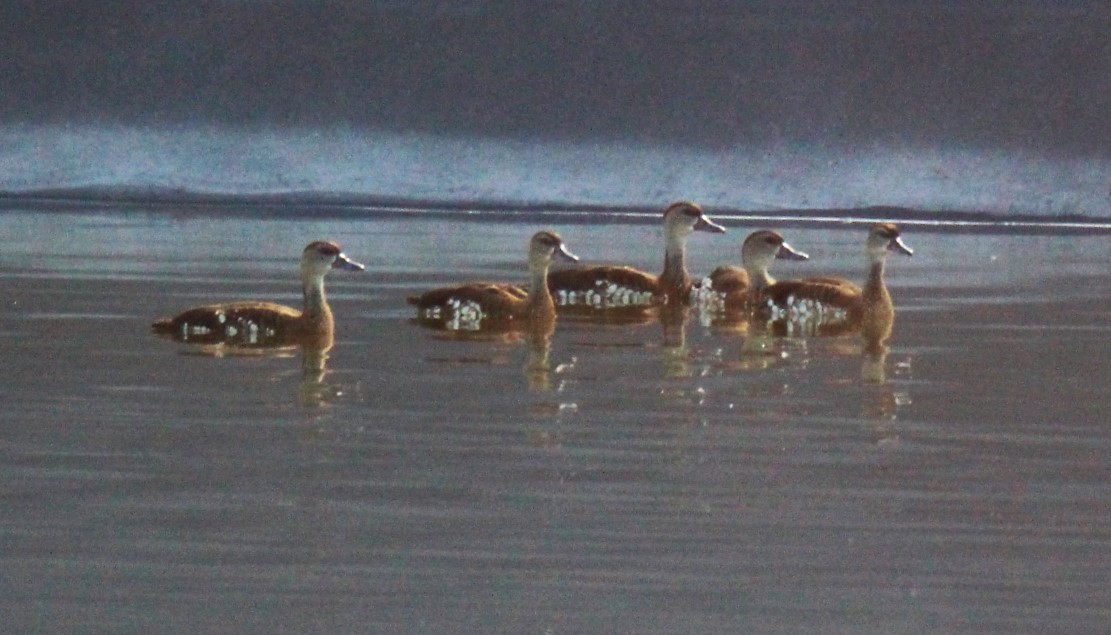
[468, 306]
[838, 300]
[611, 286]
[267, 323]
[732, 288]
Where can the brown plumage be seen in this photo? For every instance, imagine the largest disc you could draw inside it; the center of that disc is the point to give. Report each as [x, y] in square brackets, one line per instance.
[830, 292]
[869, 308]
[469, 306]
[267, 323]
[736, 286]
[612, 286]
[730, 279]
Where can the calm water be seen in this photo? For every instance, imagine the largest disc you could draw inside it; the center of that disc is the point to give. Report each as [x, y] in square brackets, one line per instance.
[422, 483]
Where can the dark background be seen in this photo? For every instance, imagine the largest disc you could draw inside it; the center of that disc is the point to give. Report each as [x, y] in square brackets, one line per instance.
[1031, 75]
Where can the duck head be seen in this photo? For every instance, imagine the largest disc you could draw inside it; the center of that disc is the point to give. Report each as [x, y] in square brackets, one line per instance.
[883, 238]
[322, 256]
[683, 218]
[547, 246]
[764, 246]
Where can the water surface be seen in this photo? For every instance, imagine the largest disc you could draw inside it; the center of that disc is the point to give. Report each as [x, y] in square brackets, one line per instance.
[428, 483]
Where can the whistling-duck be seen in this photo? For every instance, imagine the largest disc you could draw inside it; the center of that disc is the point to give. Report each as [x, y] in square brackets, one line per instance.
[818, 299]
[617, 286]
[265, 323]
[466, 306]
[735, 287]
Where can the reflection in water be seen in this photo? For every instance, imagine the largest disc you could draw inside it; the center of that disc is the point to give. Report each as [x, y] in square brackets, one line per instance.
[538, 370]
[264, 328]
[761, 348]
[676, 358]
[536, 332]
[315, 349]
[819, 307]
[457, 482]
[485, 310]
[875, 329]
[829, 309]
[314, 361]
[621, 315]
[872, 369]
[761, 351]
[769, 345]
[882, 399]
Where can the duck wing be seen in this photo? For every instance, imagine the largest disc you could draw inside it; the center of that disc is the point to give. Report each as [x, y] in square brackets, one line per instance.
[489, 297]
[832, 292]
[728, 279]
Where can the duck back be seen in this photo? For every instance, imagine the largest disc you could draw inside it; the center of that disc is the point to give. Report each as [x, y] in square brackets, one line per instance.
[245, 322]
[492, 299]
[729, 279]
[831, 292]
[603, 286]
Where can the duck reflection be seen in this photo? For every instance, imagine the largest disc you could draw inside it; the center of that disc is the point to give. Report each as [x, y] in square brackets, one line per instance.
[636, 315]
[265, 329]
[313, 388]
[832, 307]
[873, 368]
[881, 399]
[677, 360]
[538, 367]
[499, 312]
[762, 351]
[535, 334]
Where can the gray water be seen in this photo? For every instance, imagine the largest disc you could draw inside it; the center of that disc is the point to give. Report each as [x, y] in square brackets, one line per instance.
[424, 483]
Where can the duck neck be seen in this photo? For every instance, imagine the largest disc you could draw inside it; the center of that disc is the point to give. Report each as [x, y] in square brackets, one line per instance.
[316, 307]
[759, 277]
[539, 297]
[874, 287]
[675, 278]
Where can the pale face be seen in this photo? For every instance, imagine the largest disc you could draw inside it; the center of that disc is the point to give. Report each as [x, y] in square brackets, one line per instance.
[546, 246]
[763, 247]
[320, 257]
[682, 219]
[884, 238]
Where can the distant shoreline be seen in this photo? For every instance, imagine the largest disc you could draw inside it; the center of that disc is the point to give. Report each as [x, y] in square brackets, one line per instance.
[325, 204]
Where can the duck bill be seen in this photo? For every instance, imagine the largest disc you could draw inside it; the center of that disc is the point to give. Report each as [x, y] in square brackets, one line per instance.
[787, 252]
[898, 245]
[563, 254]
[345, 263]
[704, 224]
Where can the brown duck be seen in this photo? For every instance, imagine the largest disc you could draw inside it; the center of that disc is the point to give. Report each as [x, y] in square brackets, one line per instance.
[736, 287]
[266, 323]
[469, 306]
[607, 286]
[835, 299]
